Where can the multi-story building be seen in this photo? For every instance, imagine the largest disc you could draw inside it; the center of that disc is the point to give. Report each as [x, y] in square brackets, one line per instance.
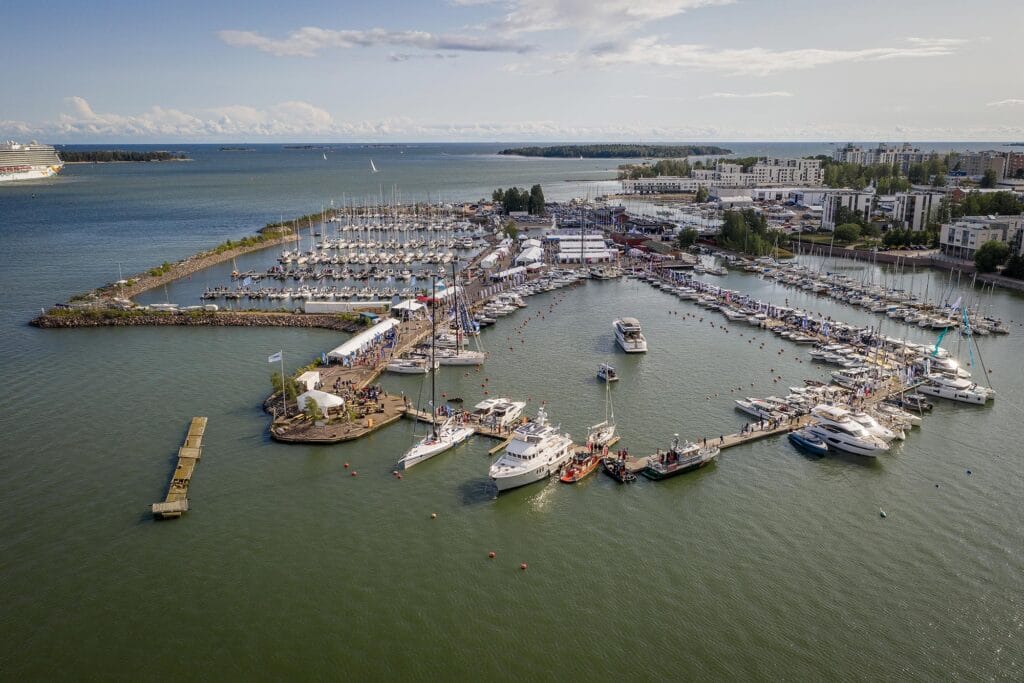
[1014, 165]
[961, 238]
[914, 210]
[854, 200]
[905, 155]
[662, 185]
[975, 164]
[787, 172]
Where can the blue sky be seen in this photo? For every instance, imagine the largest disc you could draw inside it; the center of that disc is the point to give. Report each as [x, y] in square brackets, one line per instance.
[513, 70]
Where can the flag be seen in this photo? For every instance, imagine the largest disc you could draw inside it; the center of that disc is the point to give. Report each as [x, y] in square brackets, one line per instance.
[323, 358]
[276, 358]
[246, 282]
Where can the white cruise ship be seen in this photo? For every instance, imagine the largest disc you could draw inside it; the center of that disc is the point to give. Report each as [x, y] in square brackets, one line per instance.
[536, 452]
[629, 336]
[28, 162]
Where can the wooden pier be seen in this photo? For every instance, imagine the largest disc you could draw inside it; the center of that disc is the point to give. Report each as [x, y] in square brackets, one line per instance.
[730, 440]
[189, 454]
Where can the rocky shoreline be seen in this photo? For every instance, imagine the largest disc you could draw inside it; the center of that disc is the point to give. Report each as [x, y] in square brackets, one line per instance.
[114, 318]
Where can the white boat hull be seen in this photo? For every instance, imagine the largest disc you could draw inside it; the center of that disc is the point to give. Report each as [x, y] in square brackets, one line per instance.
[971, 397]
[424, 450]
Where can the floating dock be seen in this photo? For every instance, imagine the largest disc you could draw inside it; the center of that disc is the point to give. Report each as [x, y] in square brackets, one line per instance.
[189, 454]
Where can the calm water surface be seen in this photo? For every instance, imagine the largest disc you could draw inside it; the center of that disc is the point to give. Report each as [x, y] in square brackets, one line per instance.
[767, 565]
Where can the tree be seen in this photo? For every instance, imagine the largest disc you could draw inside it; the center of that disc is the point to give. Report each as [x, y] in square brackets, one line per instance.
[511, 230]
[291, 390]
[847, 232]
[990, 255]
[498, 195]
[940, 180]
[686, 238]
[701, 195]
[312, 410]
[989, 179]
[871, 230]
[1014, 267]
[535, 204]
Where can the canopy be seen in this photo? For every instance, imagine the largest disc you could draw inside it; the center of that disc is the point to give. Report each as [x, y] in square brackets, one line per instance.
[511, 272]
[362, 340]
[530, 255]
[408, 305]
[309, 379]
[321, 398]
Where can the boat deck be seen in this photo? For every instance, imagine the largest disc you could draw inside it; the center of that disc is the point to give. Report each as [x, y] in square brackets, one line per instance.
[189, 454]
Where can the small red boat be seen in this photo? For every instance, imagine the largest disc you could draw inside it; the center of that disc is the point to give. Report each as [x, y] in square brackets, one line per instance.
[582, 464]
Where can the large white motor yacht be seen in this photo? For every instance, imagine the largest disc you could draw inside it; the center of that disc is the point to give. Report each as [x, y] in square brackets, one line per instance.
[956, 389]
[840, 431]
[629, 336]
[536, 452]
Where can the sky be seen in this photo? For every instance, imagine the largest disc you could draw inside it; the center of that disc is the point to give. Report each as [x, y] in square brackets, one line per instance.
[512, 70]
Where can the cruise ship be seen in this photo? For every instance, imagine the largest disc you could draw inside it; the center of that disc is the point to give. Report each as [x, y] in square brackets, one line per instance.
[629, 336]
[28, 162]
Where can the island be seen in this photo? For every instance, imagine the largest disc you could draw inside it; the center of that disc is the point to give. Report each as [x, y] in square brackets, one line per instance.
[616, 151]
[106, 156]
[237, 149]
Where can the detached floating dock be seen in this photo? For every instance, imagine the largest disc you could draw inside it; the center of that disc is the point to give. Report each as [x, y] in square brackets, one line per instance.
[189, 454]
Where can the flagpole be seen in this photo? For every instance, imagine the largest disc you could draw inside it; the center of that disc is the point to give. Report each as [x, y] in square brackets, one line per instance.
[284, 390]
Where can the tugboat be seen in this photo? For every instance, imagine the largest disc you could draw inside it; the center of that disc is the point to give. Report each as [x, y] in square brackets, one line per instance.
[677, 461]
[583, 463]
[808, 442]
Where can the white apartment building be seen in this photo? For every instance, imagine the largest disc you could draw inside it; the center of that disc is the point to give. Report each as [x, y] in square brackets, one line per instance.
[662, 185]
[766, 172]
[787, 172]
[854, 200]
[905, 155]
[961, 238]
[914, 210]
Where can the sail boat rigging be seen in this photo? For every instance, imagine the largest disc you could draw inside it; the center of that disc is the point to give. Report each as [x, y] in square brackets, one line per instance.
[450, 433]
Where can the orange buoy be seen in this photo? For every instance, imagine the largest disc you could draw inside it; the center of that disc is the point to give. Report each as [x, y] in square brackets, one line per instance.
[346, 466]
[433, 515]
[523, 566]
[354, 473]
[491, 555]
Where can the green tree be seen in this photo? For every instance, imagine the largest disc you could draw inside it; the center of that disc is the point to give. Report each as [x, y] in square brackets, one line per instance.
[989, 179]
[498, 195]
[940, 180]
[535, 204]
[290, 388]
[871, 230]
[1014, 267]
[990, 255]
[511, 230]
[701, 195]
[312, 410]
[847, 232]
[686, 238]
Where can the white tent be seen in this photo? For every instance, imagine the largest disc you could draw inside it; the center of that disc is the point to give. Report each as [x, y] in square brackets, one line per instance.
[363, 340]
[308, 379]
[530, 255]
[321, 398]
[526, 244]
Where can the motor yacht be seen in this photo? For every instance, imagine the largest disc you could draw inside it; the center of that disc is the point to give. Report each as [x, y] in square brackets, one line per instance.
[629, 335]
[537, 450]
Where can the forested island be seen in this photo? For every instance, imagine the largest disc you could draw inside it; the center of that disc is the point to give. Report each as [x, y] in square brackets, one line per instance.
[105, 156]
[615, 151]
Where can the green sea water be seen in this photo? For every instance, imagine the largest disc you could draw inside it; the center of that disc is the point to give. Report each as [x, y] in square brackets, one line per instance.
[767, 565]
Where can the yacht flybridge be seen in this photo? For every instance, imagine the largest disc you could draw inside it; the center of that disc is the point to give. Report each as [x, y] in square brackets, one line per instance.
[629, 335]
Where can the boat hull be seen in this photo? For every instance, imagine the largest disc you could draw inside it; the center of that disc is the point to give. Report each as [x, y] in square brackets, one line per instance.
[419, 453]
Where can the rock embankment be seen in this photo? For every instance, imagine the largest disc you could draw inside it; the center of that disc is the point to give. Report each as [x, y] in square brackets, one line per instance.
[117, 318]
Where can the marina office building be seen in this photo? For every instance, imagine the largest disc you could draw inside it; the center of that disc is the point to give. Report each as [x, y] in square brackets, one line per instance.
[961, 238]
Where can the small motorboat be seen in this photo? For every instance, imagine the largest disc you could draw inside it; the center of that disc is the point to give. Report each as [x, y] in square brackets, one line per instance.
[617, 470]
[607, 373]
[582, 464]
[808, 442]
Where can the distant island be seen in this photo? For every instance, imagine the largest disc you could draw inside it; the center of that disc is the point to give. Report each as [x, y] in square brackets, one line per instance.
[106, 156]
[305, 147]
[616, 151]
[237, 149]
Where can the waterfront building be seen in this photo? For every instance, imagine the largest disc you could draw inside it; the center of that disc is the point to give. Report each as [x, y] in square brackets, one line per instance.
[905, 155]
[765, 172]
[787, 171]
[976, 164]
[961, 238]
[856, 201]
[915, 210]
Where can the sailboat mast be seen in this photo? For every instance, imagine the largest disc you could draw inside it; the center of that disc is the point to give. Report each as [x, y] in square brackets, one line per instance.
[433, 344]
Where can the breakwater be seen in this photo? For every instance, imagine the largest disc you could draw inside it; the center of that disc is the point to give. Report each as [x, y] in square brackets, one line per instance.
[118, 318]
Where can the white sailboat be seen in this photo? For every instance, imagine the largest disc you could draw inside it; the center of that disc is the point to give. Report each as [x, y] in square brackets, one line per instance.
[439, 439]
[373, 169]
[602, 433]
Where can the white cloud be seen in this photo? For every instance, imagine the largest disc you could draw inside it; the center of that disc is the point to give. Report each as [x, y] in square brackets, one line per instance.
[1006, 103]
[307, 41]
[756, 61]
[590, 16]
[744, 96]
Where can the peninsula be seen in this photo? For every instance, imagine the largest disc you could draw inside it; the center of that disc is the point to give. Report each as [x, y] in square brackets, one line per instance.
[107, 156]
[615, 151]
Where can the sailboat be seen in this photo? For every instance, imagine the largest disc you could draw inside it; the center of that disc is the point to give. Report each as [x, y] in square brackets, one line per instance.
[602, 433]
[373, 169]
[450, 433]
[458, 355]
[325, 156]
